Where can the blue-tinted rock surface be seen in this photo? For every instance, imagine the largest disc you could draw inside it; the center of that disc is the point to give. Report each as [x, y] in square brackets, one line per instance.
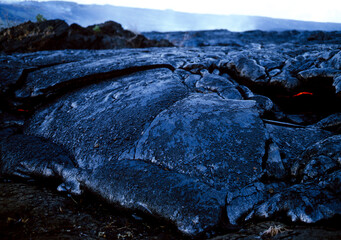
[207, 138]
[198, 136]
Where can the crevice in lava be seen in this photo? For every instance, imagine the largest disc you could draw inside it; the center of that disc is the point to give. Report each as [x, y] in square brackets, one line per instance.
[266, 153]
[314, 99]
[8, 97]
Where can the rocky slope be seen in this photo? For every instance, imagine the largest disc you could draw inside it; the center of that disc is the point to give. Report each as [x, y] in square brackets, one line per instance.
[200, 136]
[57, 34]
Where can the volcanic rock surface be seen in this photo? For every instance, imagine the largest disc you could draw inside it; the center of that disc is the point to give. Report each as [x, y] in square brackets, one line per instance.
[238, 39]
[201, 136]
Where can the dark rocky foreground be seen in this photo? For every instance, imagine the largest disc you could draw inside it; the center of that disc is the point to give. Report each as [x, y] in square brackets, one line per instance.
[43, 213]
[207, 138]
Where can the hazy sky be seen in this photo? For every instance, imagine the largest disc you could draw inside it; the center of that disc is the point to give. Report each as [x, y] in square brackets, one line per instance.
[311, 10]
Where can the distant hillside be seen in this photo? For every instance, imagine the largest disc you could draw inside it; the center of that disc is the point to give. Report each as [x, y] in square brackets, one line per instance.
[145, 20]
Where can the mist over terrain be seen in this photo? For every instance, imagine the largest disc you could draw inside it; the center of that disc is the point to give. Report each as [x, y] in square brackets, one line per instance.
[146, 20]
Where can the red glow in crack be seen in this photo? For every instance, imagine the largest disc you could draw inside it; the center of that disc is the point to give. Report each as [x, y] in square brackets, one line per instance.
[22, 110]
[303, 93]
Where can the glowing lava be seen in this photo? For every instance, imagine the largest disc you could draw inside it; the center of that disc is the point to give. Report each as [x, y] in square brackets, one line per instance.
[303, 93]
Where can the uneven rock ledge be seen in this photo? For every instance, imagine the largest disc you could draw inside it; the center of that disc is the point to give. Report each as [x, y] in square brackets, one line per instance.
[201, 137]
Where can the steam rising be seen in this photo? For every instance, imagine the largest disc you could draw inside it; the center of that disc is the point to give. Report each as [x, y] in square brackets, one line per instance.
[146, 20]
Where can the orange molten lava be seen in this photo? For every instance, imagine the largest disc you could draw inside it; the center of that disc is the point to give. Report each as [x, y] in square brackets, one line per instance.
[303, 93]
